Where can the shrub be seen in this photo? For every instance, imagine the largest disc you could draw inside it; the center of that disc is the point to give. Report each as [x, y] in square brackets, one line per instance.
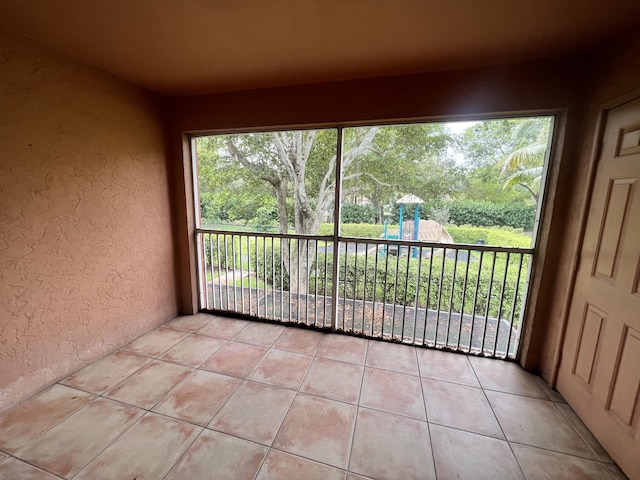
[358, 230]
[434, 284]
[358, 214]
[485, 214]
[502, 237]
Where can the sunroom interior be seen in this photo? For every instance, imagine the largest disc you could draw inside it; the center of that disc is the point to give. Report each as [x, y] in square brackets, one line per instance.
[99, 223]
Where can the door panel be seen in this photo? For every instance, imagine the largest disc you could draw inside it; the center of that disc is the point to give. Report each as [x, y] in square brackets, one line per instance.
[600, 368]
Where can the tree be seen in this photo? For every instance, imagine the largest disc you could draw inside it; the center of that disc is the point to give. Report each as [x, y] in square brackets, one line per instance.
[483, 146]
[403, 159]
[296, 165]
[523, 166]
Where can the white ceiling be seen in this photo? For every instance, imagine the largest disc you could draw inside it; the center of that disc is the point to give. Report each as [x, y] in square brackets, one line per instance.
[185, 47]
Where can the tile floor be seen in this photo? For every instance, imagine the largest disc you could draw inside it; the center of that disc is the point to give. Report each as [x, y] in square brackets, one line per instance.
[206, 397]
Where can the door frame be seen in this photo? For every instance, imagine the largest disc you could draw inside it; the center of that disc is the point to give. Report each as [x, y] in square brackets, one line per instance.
[594, 159]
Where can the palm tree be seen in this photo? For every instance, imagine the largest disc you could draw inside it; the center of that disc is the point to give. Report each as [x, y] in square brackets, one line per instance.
[523, 166]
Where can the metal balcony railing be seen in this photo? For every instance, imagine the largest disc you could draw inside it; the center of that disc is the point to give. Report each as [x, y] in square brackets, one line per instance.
[466, 298]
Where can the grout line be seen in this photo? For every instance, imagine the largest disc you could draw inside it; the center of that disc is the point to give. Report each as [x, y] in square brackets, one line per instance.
[183, 453]
[575, 429]
[21, 460]
[355, 423]
[506, 439]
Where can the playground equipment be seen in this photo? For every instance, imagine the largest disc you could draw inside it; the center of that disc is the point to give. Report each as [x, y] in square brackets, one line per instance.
[421, 230]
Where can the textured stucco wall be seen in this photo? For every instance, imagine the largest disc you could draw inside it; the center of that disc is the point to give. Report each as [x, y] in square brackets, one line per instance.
[86, 248]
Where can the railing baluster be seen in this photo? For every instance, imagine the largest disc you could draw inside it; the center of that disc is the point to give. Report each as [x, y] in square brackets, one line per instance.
[248, 276]
[219, 268]
[206, 247]
[395, 292]
[315, 290]
[504, 283]
[475, 301]
[516, 290]
[426, 307]
[307, 274]
[290, 248]
[344, 283]
[417, 299]
[326, 281]
[486, 313]
[464, 298]
[406, 288]
[355, 288]
[451, 296]
[375, 290]
[440, 284]
[364, 285]
[273, 280]
[384, 291]
[298, 253]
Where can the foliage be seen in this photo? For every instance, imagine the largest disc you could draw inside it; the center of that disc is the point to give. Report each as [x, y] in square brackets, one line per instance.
[523, 166]
[358, 230]
[485, 214]
[272, 271]
[402, 281]
[500, 237]
[354, 213]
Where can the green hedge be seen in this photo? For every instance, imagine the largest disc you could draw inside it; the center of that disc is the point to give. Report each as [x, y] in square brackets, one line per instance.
[358, 230]
[401, 283]
[359, 214]
[501, 237]
[485, 214]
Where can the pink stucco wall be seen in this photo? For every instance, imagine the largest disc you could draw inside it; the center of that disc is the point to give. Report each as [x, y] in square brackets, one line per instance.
[86, 247]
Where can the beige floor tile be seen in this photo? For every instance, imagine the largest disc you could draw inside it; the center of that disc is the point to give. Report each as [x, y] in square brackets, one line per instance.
[299, 340]
[24, 422]
[541, 464]
[221, 457]
[537, 423]
[199, 397]
[389, 447]
[460, 406]
[146, 451]
[281, 369]
[284, 466]
[222, 327]
[334, 380]
[100, 376]
[584, 432]
[193, 350]
[343, 348]
[13, 469]
[468, 456]
[450, 367]
[318, 429]
[392, 392]
[148, 385]
[353, 476]
[506, 377]
[156, 342]
[391, 356]
[72, 443]
[235, 359]
[190, 323]
[262, 334]
[254, 412]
